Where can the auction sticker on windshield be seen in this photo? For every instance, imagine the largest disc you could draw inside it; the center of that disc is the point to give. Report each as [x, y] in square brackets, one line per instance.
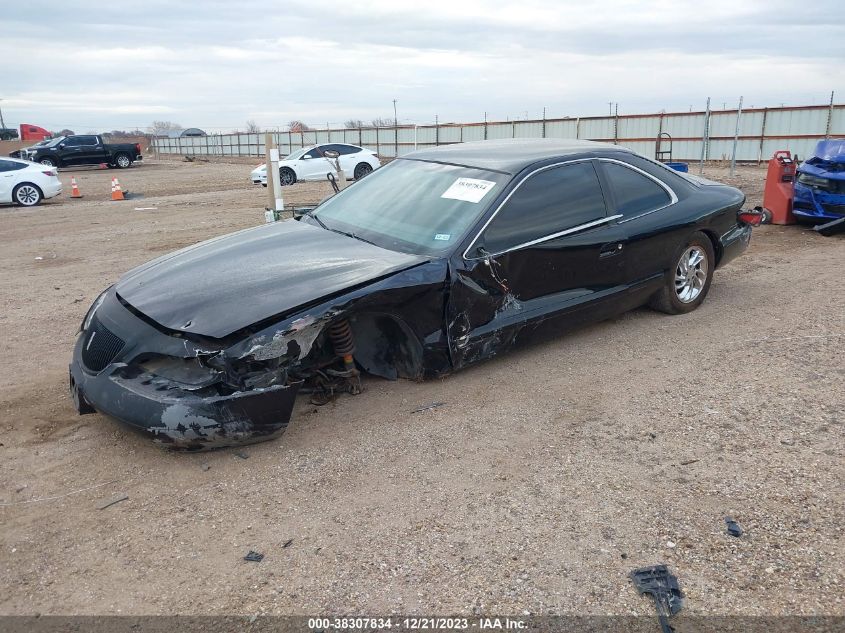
[468, 189]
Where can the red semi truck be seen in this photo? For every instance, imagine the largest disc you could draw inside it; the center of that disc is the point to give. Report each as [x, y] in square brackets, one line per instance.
[29, 132]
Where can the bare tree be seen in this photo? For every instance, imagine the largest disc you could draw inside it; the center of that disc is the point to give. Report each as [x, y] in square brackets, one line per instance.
[162, 128]
[252, 127]
[382, 122]
[66, 132]
[298, 126]
[353, 123]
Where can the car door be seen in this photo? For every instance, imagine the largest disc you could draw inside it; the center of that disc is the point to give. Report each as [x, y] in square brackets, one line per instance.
[70, 151]
[8, 178]
[313, 165]
[550, 250]
[350, 156]
[639, 198]
[91, 150]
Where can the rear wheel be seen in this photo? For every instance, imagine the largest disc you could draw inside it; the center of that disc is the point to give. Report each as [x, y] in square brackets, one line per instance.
[287, 176]
[49, 162]
[686, 284]
[362, 169]
[27, 195]
[122, 161]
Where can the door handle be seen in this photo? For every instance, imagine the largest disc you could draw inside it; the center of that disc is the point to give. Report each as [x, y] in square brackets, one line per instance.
[609, 250]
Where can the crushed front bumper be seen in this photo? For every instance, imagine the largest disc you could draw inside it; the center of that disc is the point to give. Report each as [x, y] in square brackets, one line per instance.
[178, 415]
[810, 205]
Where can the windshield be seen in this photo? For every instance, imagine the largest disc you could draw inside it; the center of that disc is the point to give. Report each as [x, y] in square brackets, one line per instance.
[413, 206]
[296, 155]
[50, 143]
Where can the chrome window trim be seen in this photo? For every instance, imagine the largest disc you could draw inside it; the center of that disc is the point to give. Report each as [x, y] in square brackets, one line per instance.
[505, 201]
[673, 198]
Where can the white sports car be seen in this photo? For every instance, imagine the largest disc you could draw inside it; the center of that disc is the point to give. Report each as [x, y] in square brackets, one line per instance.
[310, 163]
[26, 183]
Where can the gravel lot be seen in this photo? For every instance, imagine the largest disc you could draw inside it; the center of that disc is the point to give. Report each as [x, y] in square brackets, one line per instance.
[546, 477]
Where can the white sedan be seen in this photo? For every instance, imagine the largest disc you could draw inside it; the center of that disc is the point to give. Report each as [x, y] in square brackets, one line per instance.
[26, 183]
[310, 163]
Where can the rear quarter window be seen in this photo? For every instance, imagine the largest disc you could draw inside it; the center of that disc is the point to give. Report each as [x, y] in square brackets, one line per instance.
[633, 193]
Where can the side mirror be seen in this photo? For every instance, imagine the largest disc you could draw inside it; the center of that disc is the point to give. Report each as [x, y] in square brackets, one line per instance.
[61, 145]
[306, 157]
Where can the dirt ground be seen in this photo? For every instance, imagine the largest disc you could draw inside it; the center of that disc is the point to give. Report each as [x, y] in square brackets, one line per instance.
[546, 476]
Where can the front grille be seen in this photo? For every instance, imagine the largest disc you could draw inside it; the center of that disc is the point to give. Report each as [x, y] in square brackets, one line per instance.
[100, 346]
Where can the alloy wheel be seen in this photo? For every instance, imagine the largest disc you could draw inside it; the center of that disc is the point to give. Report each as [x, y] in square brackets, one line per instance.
[27, 195]
[691, 274]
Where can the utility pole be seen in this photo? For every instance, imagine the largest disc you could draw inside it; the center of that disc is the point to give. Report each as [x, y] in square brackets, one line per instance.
[3, 124]
[610, 108]
[704, 137]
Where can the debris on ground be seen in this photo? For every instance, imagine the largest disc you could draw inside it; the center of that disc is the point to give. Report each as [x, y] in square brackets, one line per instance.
[658, 582]
[287, 543]
[689, 461]
[433, 405]
[254, 557]
[205, 467]
[110, 502]
[733, 527]
[242, 455]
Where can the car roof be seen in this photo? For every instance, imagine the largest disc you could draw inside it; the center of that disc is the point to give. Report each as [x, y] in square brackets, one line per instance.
[511, 155]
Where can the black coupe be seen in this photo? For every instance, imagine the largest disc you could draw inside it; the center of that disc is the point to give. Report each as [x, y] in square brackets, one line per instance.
[442, 258]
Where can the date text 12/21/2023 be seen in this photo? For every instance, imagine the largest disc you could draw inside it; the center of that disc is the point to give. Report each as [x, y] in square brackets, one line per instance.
[419, 623]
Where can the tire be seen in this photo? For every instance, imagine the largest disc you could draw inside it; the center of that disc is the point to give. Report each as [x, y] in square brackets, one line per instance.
[48, 162]
[122, 161]
[287, 176]
[362, 169]
[688, 280]
[27, 195]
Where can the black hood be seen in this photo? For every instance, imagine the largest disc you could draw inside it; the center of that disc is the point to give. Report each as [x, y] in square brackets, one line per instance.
[220, 286]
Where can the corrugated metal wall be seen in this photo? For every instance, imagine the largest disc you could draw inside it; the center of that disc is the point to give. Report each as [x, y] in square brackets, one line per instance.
[761, 133]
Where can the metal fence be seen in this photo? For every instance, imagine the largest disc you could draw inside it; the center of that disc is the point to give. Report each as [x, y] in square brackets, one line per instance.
[708, 134]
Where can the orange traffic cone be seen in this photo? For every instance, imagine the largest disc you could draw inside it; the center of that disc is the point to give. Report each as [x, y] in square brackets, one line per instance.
[74, 189]
[116, 192]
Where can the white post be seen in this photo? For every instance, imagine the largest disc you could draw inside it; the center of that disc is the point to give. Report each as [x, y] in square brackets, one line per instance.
[274, 184]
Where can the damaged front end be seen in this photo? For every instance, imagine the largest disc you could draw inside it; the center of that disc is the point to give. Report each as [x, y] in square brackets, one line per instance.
[820, 184]
[194, 393]
[181, 391]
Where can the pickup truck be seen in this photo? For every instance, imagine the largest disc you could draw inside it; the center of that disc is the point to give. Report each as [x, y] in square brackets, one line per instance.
[83, 149]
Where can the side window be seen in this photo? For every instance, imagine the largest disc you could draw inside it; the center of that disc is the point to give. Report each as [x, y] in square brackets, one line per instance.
[551, 201]
[73, 141]
[347, 149]
[317, 152]
[10, 165]
[633, 192]
[87, 140]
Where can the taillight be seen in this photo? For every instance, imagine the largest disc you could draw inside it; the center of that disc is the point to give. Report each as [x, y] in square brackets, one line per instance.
[49, 173]
[138, 147]
[751, 217]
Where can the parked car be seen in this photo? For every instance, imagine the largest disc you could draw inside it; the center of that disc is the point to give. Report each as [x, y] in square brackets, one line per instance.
[83, 149]
[26, 183]
[820, 184]
[8, 134]
[310, 163]
[436, 261]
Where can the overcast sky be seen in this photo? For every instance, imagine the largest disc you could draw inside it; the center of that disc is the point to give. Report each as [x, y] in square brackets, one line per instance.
[95, 66]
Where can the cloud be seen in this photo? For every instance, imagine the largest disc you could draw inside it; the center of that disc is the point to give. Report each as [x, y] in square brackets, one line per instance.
[216, 64]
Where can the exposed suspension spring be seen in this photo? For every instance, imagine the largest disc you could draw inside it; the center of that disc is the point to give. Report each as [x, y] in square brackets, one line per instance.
[340, 334]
